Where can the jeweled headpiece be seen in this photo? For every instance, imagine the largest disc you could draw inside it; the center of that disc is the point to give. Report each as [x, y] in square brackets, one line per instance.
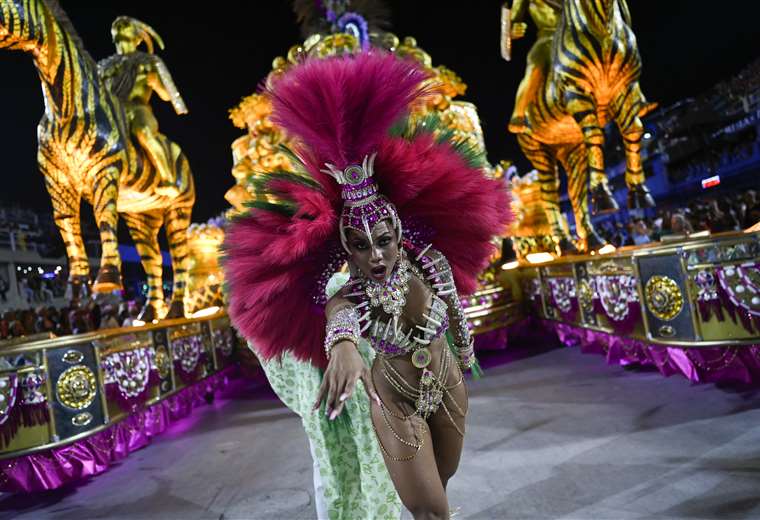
[340, 110]
[363, 205]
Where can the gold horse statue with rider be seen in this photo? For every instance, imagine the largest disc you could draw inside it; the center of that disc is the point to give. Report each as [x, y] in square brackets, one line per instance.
[99, 141]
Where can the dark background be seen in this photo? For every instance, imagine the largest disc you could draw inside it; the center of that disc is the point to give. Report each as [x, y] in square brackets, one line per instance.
[217, 56]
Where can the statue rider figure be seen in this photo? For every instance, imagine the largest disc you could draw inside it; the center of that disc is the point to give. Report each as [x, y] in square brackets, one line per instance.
[545, 15]
[133, 76]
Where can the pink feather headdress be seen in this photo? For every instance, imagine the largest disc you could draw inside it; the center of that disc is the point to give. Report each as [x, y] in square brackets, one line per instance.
[341, 111]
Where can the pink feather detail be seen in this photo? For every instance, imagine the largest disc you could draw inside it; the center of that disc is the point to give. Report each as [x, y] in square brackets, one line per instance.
[272, 263]
[341, 107]
[431, 184]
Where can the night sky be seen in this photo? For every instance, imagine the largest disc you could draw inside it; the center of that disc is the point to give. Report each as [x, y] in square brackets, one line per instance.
[218, 57]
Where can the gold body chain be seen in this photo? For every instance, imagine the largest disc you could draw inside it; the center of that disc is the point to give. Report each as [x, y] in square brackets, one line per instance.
[431, 393]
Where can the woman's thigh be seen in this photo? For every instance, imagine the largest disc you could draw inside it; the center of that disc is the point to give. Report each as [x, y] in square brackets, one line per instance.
[408, 449]
[447, 427]
[409, 455]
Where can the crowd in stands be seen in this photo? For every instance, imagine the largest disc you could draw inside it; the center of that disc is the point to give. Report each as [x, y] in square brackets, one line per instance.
[703, 134]
[67, 320]
[710, 159]
[745, 83]
[42, 288]
[719, 214]
[34, 288]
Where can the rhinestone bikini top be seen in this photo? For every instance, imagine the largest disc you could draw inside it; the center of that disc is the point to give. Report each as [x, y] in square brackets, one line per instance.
[395, 341]
[386, 341]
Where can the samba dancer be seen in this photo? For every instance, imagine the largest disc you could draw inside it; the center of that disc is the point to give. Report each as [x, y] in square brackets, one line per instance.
[412, 215]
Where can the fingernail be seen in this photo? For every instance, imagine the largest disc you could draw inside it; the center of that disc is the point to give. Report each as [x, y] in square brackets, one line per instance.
[327, 411]
[343, 397]
[333, 415]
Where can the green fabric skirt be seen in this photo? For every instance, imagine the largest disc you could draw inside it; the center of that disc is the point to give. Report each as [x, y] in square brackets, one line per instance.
[355, 481]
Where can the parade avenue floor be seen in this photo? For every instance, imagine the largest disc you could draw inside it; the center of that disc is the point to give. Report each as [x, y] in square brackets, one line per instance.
[558, 434]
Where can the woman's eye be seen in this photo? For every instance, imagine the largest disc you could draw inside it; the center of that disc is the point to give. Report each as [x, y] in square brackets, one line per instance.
[361, 246]
[384, 241]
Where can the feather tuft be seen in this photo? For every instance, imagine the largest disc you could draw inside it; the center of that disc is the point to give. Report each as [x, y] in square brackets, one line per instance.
[340, 108]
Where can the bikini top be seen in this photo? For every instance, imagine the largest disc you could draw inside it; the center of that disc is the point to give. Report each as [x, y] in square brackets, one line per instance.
[389, 342]
[389, 338]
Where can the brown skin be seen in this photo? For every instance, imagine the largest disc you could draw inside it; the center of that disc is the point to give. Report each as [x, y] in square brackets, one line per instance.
[420, 482]
[346, 366]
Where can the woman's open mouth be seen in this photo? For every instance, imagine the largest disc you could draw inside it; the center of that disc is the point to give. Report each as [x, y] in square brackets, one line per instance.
[378, 273]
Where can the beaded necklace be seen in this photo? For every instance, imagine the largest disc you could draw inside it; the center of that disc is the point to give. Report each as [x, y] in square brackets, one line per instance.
[391, 294]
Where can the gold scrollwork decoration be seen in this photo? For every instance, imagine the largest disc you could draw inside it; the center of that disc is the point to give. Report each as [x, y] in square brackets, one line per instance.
[162, 362]
[585, 296]
[76, 387]
[667, 331]
[663, 297]
[73, 357]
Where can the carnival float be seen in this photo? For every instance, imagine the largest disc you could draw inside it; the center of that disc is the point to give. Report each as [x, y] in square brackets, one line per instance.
[70, 406]
[73, 405]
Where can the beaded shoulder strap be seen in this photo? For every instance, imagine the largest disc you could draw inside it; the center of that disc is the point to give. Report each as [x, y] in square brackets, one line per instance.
[437, 272]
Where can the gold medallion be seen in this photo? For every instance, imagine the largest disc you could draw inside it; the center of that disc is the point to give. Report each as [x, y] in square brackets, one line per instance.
[76, 387]
[421, 357]
[663, 297]
[162, 362]
[586, 296]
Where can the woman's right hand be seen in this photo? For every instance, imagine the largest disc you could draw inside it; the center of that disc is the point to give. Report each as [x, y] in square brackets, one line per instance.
[345, 368]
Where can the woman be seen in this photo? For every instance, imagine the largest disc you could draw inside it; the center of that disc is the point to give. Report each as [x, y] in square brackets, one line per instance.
[419, 391]
[411, 214]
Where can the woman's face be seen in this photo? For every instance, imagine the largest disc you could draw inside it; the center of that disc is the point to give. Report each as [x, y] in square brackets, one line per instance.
[375, 256]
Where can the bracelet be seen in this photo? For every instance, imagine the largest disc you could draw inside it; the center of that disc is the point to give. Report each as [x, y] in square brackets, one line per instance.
[343, 325]
[467, 356]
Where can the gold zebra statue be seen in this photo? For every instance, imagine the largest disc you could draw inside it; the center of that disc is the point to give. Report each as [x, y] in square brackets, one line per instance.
[85, 151]
[583, 72]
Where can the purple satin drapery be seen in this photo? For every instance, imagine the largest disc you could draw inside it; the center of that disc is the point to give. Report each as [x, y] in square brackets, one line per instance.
[700, 365]
[92, 455]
